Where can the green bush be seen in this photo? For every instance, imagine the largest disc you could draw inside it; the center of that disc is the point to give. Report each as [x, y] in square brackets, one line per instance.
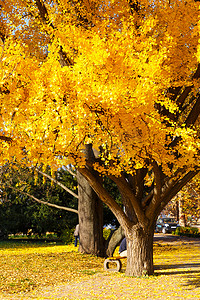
[67, 235]
[187, 231]
[51, 235]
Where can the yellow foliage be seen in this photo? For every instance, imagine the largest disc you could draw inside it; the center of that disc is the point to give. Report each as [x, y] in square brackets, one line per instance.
[42, 271]
[120, 63]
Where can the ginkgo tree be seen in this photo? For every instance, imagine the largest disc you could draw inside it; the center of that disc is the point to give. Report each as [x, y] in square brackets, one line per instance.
[90, 206]
[112, 87]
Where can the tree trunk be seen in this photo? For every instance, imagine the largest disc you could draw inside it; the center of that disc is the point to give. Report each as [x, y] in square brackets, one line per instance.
[182, 219]
[90, 210]
[139, 222]
[139, 251]
[114, 240]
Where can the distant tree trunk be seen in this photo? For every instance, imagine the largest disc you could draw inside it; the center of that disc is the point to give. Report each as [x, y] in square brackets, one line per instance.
[177, 211]
[182, 220]
[90, 210]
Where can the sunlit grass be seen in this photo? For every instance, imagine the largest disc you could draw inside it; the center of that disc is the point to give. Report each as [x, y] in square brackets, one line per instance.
[29, 268]
[26, 267]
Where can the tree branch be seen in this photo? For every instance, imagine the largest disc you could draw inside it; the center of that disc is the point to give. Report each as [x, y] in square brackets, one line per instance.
[58, 183]
[174, 188]
[105, 197]
[43, 11]
[156, 190]
[64, 59]
[5, 138]
[2, 37]
[139, 177]
[194, 113]
[180, 96]
[70, 172]
[46, 203]
[157, 180]
[124, 186]
[129, 209]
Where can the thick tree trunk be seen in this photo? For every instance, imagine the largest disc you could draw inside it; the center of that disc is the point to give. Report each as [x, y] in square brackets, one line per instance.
[139, 251]
[90, 210]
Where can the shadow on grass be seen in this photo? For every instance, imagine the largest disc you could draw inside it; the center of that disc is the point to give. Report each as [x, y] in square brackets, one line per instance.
[191, 271]
[194, 281]
[178, 266]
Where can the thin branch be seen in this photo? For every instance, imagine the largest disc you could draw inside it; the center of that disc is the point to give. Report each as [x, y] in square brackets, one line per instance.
[188, 89]
[2, 37]
[197, 73]
[58, 183]
[43, 11]
[128, 205]
[64, 59]
[191, 119]
[171, 188]
[70, 172]
[180, 95]
[183, 96]
[47, 203]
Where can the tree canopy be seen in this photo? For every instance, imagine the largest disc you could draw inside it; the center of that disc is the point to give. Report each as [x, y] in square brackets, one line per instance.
[132, 64]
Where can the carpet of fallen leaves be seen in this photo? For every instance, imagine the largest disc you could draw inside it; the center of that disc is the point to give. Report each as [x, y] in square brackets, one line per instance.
[30, 271]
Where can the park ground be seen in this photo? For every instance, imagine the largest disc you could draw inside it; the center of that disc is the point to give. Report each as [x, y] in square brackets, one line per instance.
[34, 271]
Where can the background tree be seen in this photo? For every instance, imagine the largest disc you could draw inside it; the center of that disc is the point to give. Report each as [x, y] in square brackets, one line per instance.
[20, 185]
[130, 92]
[185, 205]
[190, 201]
[23, 188]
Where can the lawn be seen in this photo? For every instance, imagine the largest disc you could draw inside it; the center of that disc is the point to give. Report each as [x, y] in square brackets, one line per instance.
[30, 271]
[25, 266]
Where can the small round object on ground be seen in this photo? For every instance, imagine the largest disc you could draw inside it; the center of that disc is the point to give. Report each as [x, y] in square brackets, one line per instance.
[116, 261]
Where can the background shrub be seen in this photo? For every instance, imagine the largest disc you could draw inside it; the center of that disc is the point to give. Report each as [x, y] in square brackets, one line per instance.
[67, 235]
[187, 231]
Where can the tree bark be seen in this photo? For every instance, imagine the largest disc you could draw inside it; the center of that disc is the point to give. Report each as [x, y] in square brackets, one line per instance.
[90, 210]
[182, 220]
[139, 251]
[140, 221]
[114, 240]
